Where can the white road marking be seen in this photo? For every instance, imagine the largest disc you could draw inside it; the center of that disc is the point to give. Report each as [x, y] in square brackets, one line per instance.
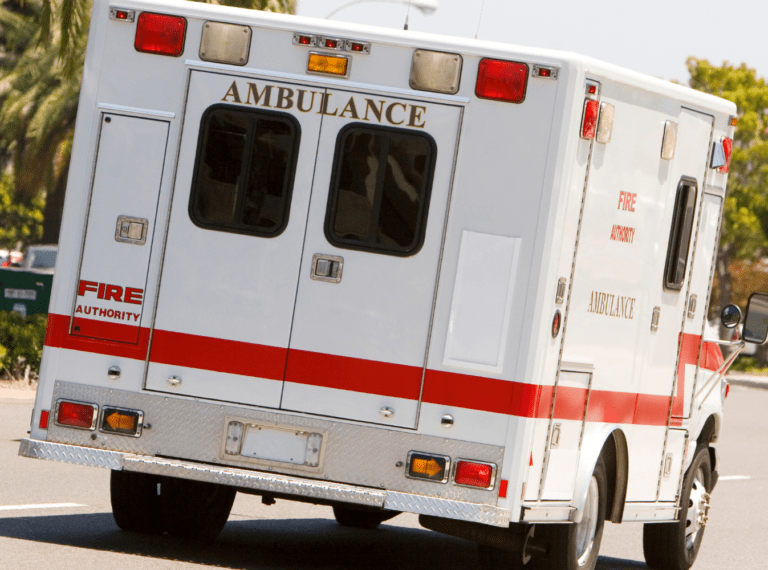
[42, 506]
[734, 477]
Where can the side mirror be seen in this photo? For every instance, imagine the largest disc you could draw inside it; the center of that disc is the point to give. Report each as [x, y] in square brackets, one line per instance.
[730, 316]
[756, 321]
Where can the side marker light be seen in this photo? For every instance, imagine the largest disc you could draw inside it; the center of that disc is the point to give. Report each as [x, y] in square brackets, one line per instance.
[44, 419]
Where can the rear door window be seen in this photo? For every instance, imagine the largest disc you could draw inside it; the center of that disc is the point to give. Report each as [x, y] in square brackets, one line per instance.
[380, 190]
[680, 234]
[244, 171]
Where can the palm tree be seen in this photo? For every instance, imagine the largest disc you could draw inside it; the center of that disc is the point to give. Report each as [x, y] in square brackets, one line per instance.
[42, 53]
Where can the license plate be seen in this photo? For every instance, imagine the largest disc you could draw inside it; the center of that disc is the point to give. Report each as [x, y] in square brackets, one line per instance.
[283, 445]
[26, 294]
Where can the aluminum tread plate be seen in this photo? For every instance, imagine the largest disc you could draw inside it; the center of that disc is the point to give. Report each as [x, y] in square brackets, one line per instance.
[278, 484]
[192, 430]
[457, 510]
[71, 454]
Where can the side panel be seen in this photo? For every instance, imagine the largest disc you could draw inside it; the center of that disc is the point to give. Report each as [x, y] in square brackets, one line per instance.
[120, 229]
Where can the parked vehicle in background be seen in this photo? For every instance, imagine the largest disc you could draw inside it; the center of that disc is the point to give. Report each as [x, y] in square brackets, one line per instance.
[40, 258]
[10, 258]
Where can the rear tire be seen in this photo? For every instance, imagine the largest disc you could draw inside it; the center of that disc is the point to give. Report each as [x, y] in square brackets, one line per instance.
[136, 503]
[576, 546]
[358, 518]
[194, 509]
[674, 546]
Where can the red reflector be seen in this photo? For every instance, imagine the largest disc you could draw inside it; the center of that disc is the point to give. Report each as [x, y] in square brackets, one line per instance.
[305, 40]
[473, 474]
[161, 34]
[502, 80]
[76, 415]
[727, 148]
[503, 488]
[44, 419]
[589, 121]
[727, 389]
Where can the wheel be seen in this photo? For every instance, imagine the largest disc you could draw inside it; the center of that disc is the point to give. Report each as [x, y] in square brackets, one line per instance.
[576, 546]
[194, 509]
[136, 502]
[359, 518]
[674, 546]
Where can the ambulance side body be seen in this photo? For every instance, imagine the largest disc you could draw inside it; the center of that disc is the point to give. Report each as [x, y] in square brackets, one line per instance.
[446, 349]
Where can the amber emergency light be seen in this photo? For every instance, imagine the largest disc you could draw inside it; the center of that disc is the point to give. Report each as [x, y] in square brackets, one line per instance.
[160, 34]
[328, 64]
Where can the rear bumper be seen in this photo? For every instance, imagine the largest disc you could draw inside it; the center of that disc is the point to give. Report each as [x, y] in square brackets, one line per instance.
[267, 482]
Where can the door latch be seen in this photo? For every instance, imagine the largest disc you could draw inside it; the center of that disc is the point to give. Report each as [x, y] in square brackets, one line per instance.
[326, 268]
[131, 230]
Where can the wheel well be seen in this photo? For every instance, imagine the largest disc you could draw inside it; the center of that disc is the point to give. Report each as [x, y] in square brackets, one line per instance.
[616, 460]
[708, 432]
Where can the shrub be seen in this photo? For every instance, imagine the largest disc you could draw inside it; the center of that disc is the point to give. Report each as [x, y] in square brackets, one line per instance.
[22, 339]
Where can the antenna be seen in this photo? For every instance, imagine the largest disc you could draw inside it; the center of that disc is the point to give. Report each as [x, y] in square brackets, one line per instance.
[480, 19]
[408, 14]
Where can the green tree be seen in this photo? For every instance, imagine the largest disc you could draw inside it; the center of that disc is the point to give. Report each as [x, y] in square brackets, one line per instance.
[744, 235]
[42, 53]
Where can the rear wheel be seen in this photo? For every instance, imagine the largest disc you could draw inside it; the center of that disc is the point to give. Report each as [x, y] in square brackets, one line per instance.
[576, 546]
[674, 546]
[136, 502]
[359, 518]
[194, 509]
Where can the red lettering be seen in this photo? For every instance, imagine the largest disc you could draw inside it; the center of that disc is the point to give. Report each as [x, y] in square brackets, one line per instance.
[102, 312]
[100, 295]
[631, 205]
[113, 293]
[133, 296]
[621, 199]
[86, 286]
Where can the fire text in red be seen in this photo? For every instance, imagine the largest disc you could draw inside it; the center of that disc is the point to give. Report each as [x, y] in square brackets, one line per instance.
[627, 201]
[111, 292]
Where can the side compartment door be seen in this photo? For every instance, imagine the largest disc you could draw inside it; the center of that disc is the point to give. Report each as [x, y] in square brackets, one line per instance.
[369, 266]
[120, 229]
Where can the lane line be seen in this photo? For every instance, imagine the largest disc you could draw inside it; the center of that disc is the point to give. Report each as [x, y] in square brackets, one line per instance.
[734, 477]
[41, 506]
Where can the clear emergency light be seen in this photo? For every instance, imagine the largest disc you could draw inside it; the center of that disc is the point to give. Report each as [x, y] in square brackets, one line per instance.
[502, 80]
[225, 43]
[435, 71]
[160, 34]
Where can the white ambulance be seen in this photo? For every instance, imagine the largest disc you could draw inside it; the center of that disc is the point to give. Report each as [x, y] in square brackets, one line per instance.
[387, 272]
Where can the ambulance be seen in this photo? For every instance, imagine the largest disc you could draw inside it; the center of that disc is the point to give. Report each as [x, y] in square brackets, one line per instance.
[388, 272]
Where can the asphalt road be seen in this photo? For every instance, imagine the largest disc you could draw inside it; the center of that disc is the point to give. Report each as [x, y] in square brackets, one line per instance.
[60, 518]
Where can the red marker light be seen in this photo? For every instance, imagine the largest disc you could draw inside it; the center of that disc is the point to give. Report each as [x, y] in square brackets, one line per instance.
[305, 40]
[331, 44]
[592, 89]
[121, 15]
[357, 47]
[503, 488]
[474, 474]
[502, 80]
[160, 34]
[589, 120]
[44, 419]
[544, 73]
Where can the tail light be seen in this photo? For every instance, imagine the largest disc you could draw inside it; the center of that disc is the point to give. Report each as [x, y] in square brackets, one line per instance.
[76, 414]
[160, 34]
[474, 474]
[502, 80]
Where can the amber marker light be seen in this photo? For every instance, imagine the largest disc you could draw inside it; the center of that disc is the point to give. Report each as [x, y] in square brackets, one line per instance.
[328, 64]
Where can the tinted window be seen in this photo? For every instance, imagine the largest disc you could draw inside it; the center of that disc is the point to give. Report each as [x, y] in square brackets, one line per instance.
[379, 196]
[244, 171]
[680, 234]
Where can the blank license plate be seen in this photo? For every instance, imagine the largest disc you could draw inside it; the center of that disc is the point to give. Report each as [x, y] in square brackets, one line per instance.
[284, 445]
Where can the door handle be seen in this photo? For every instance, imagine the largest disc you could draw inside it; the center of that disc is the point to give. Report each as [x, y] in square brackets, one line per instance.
[326, 268]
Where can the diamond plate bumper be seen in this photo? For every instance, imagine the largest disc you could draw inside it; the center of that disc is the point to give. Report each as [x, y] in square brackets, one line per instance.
[267, 482]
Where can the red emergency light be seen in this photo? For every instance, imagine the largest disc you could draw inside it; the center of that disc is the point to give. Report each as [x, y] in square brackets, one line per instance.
[502, 80]
[727, 149]
[160, 34]
[589, 119]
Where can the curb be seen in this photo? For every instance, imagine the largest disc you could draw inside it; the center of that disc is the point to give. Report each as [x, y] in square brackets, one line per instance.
[757, 382]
